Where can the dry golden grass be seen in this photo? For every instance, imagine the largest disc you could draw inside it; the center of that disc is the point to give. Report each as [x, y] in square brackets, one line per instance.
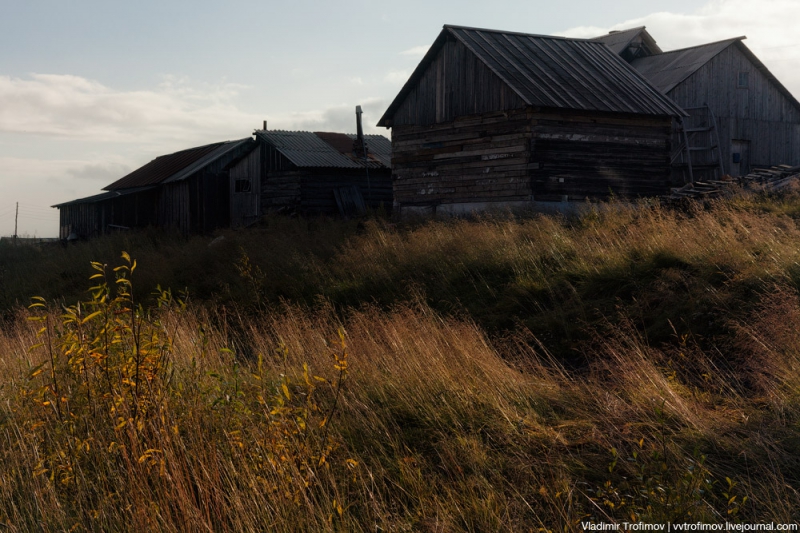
[681, 370]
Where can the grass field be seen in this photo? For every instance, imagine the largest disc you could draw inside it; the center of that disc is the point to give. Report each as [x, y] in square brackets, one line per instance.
[494, 374]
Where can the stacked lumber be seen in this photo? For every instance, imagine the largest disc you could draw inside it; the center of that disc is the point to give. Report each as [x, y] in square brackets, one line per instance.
[772, 178]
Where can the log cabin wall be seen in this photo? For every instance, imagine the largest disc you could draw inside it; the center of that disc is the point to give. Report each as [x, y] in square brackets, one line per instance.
[758, 112]
[317, 186]
[310, 190]
[477, 158]
[577, 155]
[531, 154]
[280, 181]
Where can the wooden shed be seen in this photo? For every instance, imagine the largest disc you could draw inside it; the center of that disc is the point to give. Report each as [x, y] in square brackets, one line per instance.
[188, 190]
[492, 118]
[321, 172]
[741, 116]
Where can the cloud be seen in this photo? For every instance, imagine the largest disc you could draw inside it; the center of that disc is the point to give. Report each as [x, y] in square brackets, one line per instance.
[397, 77]
[67, 106]
[417, 51]
[103, 172]
[768, 24]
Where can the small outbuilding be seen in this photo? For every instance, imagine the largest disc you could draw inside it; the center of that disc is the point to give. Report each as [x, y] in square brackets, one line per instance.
[322, 172]
[492, 118]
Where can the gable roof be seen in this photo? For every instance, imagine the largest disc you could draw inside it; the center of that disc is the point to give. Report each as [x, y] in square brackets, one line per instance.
[110, 195]
[557, 72]
[307, 149]
[668, 69]
[176, 166]
[618, 41]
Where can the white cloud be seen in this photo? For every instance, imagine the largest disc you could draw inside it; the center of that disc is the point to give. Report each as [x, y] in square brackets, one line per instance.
[397, 77]
[770, 27]
[417, 51]
[78, 108]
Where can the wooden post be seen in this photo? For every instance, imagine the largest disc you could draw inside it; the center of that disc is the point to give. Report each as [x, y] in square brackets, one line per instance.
[16, 218]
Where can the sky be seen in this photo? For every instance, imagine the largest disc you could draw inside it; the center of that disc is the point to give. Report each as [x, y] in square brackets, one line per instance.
[91, 90]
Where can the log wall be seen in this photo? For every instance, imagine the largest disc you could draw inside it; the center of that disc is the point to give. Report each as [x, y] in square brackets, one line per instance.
[530, 154]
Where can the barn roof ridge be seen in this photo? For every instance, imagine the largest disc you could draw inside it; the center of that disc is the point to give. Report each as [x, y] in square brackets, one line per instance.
[729, 40]
[520, 33]
[619, 40]
[572, 73]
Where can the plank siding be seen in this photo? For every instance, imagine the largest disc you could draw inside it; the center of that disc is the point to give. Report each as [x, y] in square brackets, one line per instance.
[457, 83]
[759, 113]
[245, 204]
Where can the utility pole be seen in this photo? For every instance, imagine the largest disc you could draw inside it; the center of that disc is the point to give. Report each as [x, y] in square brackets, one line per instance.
[16, 218]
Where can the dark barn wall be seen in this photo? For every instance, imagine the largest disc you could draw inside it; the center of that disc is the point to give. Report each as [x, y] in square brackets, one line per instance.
[317, 186]
[532, 154]
[91, 219]
[244, 188]
[201, 202]
[310, 190]
[477, 158]
[455, 84]
[575, 155]
[760, 113]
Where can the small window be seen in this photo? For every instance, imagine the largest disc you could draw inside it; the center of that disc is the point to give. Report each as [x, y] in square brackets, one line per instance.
[241, 186]
[743, 79]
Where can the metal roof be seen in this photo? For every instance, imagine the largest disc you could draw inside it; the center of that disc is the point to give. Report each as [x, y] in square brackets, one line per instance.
[176, 166]
[668, 69]
[327, 150]
[557, 72]
[105, 196]
[618, 41]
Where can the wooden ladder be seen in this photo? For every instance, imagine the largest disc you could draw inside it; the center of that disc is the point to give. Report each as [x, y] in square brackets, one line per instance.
[698, 135]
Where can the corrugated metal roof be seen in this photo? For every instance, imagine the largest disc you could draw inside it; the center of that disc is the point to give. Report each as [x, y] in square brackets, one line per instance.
[667, 70]
[556, 72]
[308, 149]
[105, 196]
[176, 166]
[618, 41]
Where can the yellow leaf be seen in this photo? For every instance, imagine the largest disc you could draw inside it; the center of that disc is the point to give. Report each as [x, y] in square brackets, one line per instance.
[286, 391]
[126, 257]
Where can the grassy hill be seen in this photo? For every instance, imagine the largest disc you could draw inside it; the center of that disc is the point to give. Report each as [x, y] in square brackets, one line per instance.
[496, 374]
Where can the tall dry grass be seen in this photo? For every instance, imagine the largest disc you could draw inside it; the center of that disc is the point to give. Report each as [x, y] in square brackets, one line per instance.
[497, 374]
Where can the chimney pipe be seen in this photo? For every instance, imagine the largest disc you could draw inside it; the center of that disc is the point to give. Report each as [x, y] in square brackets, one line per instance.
[361, 146]
[265, 125]
[359, 131]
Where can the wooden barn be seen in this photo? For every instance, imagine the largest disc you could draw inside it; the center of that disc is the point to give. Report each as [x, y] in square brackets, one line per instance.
[492, 118]
[187, 190]
[740, 115]
[233, 183]
[322, 172]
